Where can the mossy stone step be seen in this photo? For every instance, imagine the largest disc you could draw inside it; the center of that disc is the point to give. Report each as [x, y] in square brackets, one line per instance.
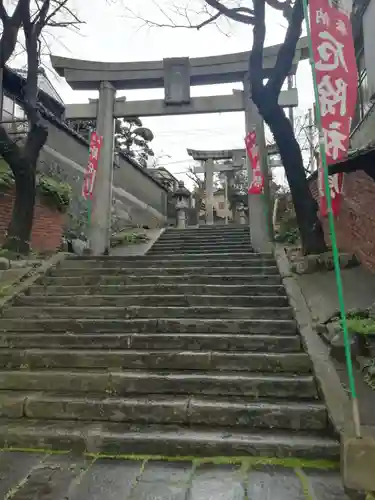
[166, 271]
[161, 325]
[153, 300]
[160, 263]
[181, 278]
[137, 312]
[124, 382]
[167, 409]
[159, 289]
[193, 342]
[128, 359]
[128, 439]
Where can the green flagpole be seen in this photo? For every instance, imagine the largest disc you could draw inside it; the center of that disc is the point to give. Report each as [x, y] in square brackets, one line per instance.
[89, 212]
[336, 258]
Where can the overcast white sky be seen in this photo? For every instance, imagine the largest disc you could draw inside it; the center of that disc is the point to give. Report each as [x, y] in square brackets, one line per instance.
[110, 34]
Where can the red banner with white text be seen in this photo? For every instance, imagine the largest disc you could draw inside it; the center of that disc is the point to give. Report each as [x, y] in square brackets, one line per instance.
[92, 166]
[336, 78]
[257, 183]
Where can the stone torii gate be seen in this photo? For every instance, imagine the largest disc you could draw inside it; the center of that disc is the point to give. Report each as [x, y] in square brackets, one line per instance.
[176, 75]
[235, 161]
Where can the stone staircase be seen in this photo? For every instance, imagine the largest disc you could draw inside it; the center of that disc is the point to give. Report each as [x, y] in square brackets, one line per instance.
[190, 350]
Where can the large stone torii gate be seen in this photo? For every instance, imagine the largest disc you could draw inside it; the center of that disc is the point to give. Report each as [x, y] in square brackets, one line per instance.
[176, 75]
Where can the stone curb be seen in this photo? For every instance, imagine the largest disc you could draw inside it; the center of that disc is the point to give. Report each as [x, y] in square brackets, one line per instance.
[357, 454]
[36, 275]
[336, 399]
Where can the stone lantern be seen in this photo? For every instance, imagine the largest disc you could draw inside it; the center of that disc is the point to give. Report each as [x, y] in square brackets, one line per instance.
[182, 196]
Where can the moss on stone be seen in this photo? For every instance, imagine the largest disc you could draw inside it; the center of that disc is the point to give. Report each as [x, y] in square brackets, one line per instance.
[57, 193]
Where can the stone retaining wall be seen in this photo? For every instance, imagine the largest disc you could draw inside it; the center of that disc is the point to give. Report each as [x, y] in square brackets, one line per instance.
[355, 225]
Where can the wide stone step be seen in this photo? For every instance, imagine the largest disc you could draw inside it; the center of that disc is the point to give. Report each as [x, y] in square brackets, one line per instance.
[196, 240]
[164, 290]
[205, 231]
[161, 325]
[129, 312]
[205, 241]
[184, 341]
[189, 232]
[214, 247]
[166, 271]
[107, 259]
[155, 360]
[154, 300]
[213, 279]
[160, 263]
[129, 439]
[120, 383]
[218, 254]
[214, 250]
[158, 409]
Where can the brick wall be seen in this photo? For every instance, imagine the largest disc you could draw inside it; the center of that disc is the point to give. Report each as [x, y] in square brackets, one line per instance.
[47, 227]
[355, 225]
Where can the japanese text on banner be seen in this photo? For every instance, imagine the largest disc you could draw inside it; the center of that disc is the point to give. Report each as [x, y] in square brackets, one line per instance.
[257, 183]
[336, 77]
[92, 166]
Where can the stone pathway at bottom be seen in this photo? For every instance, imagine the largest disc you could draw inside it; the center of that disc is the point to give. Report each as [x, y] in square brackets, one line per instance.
[38, 476]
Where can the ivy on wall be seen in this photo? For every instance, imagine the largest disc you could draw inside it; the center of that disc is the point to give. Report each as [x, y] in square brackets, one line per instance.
[56, 193]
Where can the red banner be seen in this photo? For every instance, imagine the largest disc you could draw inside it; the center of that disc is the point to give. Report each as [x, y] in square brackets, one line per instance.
[257, 183]
[336, 78]
[92, 166]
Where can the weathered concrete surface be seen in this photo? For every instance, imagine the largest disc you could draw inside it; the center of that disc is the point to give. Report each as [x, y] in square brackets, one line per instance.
[43, 477]
[358, 459]
[31, 278]
[316, 295]
[320, 291]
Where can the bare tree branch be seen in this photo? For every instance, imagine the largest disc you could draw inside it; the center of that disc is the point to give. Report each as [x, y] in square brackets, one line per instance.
[243, 15]
[287, 50]
[285, 7]
[11, 27]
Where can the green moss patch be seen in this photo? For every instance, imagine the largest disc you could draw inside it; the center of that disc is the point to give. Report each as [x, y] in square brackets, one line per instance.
[288, 462]
[6, 176]
[128, 238]
[58, 194]
[362, 326]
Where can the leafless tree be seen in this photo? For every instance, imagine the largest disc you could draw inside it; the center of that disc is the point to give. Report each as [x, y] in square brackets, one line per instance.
[265, 89]
[27, 20]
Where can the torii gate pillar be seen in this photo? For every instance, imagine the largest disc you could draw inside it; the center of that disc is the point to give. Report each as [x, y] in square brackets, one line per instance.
[258, 204]
[209, 185]
[100, 225]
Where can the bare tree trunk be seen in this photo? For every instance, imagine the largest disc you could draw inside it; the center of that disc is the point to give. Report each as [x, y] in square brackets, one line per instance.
[265, 97]
[22, 162]
[19, 229]
[305, 206]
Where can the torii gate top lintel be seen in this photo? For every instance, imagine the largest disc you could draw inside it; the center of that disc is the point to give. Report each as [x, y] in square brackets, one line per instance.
[228, 68]
[225, 154]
